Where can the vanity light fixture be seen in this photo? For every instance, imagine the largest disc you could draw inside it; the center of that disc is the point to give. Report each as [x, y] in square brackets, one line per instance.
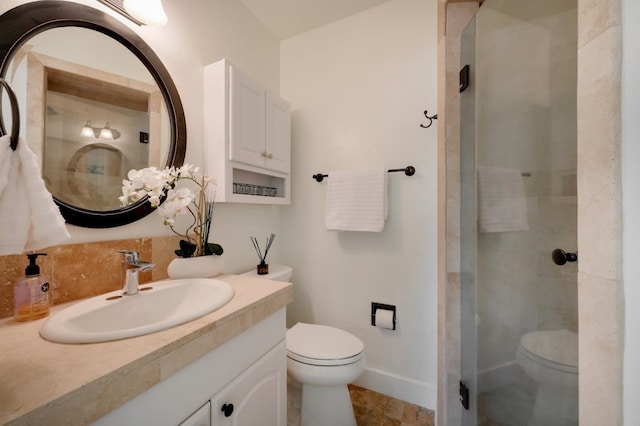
[88, 131]
[105, 132]
[141, 12]
[149, 12]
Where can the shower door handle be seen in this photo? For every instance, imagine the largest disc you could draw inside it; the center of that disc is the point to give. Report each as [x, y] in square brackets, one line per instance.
[560, 257]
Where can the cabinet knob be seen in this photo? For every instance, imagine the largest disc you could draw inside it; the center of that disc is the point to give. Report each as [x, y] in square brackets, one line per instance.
[264, 154]
[269, 155]
[227, 409]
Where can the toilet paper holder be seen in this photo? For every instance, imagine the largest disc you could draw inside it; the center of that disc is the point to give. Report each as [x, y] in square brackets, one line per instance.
[375, 306]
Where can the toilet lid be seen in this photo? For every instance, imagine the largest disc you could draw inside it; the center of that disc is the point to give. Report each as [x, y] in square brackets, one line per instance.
[559, 346]
[322, 343]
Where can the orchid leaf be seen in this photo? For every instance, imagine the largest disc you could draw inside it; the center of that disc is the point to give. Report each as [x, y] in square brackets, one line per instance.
[213, 248]
[186, 249]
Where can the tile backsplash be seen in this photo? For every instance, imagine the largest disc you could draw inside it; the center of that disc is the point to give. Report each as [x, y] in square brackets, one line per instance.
[77, 271]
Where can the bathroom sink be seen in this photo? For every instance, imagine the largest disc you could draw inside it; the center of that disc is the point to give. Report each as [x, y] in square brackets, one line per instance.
[157, 306]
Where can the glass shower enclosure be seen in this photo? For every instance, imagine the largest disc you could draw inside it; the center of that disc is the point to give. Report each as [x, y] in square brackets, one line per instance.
[519, 310]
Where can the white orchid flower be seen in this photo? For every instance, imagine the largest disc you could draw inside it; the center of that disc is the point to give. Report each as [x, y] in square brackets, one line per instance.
[154, 200]
[160, 184]
[177, 202]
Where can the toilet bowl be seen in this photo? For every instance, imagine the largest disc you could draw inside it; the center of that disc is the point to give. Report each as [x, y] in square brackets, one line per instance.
[550, 358]
[322, 361]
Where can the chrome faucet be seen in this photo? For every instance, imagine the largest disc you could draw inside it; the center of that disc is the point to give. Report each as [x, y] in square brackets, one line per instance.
[132, 265]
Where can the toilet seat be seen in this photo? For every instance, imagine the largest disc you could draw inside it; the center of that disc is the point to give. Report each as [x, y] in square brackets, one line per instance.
[324, 362]
[323, 345]
[557, 349]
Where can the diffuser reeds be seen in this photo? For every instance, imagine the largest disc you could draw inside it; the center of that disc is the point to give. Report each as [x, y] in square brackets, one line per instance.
[262, 257]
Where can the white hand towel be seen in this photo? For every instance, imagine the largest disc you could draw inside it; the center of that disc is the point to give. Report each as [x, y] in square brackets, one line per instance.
[356, 200]
[29, 218]
[502, 205]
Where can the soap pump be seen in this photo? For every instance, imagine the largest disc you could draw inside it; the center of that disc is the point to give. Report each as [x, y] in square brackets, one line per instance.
[31, 292]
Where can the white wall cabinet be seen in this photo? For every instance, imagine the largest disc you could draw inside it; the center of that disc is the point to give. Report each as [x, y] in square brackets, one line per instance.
[247, 137]
[248, 372]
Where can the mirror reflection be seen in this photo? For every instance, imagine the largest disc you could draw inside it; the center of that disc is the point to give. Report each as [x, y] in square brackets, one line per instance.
[92, 112]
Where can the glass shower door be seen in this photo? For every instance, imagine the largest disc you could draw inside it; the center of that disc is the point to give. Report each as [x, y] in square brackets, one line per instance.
[519, 311]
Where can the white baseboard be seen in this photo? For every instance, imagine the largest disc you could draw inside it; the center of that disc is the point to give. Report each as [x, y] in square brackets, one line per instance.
[403, 388]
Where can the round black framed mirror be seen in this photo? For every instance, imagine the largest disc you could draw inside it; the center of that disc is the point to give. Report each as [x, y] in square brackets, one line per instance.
[25, 23]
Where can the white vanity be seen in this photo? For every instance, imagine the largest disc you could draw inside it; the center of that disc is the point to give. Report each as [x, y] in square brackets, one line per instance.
[243, 382]
[228, 367]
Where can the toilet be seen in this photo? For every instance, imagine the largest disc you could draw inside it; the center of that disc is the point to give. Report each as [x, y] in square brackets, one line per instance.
[550, 358]
[322, 360]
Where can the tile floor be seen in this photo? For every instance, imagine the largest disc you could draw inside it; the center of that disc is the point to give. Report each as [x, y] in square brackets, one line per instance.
[370, 408]
[375, 409]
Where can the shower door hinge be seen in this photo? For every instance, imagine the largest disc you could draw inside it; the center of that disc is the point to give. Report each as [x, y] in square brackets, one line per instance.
[464, 78]
[464, 395]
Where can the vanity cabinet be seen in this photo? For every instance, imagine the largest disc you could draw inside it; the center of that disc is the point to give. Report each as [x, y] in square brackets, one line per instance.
[256, 397]
[247, 137]
[242, 382]
[202, 417]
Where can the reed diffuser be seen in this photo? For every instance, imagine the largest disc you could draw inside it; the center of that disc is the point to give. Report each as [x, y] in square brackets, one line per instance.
[263, 266]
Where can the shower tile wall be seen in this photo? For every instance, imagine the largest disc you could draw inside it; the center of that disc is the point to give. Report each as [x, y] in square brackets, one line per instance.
[454, 21]
[526, 120]
[600, 213]
[451, 25]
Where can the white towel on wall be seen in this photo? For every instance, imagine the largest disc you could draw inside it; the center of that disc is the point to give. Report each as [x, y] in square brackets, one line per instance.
[29, 218]
[502, 205]
[356, 200]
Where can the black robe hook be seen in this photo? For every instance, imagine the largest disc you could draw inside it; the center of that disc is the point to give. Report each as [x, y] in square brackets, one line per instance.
[433, 117]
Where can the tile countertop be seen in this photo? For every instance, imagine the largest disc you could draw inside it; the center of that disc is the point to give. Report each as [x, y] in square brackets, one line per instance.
[50, 383]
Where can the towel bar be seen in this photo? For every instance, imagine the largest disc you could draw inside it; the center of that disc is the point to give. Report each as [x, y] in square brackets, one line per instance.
[409, 171]
[15, 115]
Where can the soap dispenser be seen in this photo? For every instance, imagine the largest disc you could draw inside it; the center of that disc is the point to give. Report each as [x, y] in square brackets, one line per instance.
[31, 292]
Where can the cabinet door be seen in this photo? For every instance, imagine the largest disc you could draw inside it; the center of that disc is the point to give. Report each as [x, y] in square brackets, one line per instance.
[202, 417]
[258, 396]
[246, 119]
[278, 134]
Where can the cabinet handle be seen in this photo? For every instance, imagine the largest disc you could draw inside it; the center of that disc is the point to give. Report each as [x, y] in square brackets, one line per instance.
[227, 409]
[264, 154]
[269, 155]
[560, 257]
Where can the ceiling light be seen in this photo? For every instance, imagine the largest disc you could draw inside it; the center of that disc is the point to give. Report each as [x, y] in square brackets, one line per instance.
[149, 12]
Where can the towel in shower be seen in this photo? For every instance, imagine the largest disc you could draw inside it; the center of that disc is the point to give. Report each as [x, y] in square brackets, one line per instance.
[356, 200]
[29, 218]
[502, 205]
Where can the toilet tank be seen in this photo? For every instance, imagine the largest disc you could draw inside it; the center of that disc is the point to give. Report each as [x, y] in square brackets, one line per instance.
[276, 273]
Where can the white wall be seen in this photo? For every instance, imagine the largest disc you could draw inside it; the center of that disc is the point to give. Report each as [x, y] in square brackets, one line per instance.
[631, 206]
[358, 88]
[200, 32]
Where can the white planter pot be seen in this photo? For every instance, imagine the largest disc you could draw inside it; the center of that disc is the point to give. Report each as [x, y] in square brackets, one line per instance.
[195, 267]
